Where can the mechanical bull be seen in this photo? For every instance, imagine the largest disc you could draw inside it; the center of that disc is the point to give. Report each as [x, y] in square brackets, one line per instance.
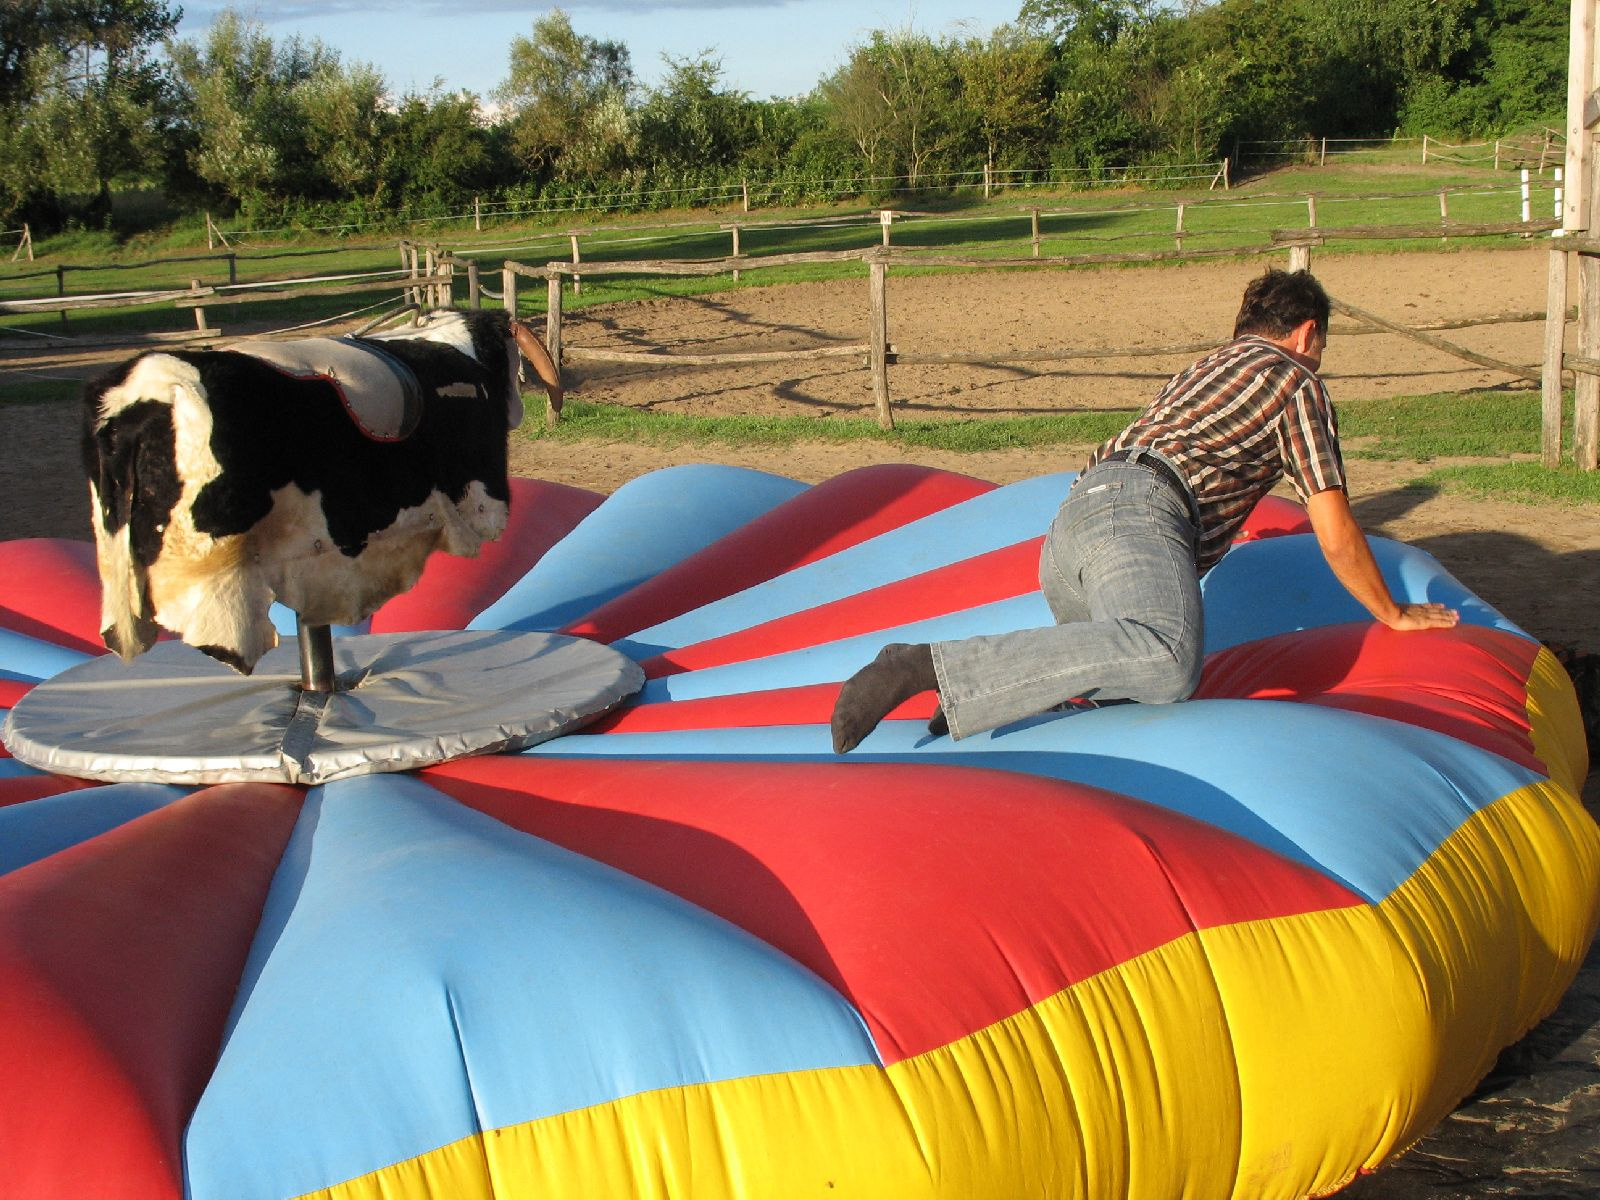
[321, 472]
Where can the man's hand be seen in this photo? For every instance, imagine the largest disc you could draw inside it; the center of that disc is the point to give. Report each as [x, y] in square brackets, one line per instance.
[1424, 616]
[1350, 558]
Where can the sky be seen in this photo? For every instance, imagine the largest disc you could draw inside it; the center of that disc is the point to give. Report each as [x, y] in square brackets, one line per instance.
[767, 47]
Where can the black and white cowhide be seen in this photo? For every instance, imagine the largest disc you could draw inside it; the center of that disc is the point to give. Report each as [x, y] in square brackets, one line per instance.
[320, 473]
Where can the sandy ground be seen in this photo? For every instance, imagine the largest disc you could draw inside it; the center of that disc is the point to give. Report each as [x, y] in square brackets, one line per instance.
[1532, 1129]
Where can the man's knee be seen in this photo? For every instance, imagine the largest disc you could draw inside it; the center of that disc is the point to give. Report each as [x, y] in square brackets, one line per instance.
[1176, 676]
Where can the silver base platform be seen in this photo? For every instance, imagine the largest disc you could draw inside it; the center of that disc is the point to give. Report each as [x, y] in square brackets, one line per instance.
[399, 701]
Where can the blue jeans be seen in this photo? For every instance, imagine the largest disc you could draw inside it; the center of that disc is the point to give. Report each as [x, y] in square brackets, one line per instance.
[1118, 571]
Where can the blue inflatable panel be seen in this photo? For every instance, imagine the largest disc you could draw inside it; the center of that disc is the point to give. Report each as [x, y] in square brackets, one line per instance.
[991, 521]
[640, 530]
[31, 659]
[48, 825]
[416, 949]
[1282, 584]
[830, 662]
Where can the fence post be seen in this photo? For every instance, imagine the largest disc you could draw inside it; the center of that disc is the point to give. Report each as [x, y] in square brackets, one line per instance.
[61, 290]
[735, 229]
[474, 285]
[508, 290]
[1557, 175]
[1035, 213]
[1311, 211]
[1178, 232]
[233, 268]
[886, 218]
[1424, 149]
[477, 214]
[987, 168]
[552, 332]
[1497, 154]
[577, 280]
[1555, 329]
[744, 194]
[1527, 209]
[878, 335]
[1322, 158]
[1300, 256]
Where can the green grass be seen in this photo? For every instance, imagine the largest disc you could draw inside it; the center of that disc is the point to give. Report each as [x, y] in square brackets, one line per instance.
[1490, 425]
[41, 392]
[1485, 424]
[1521, 482]
[582, 421]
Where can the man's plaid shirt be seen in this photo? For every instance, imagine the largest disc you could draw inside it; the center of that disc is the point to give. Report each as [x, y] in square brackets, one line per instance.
[1234, 424]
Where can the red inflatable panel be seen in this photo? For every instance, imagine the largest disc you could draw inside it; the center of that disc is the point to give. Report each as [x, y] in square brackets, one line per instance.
[983, 579]
[820, 521]
[1476, 685]
[453, 590]
[1272, 517]
[850, 869]
[52, 592]
[119, 960]
[811, 704]
[31, 787]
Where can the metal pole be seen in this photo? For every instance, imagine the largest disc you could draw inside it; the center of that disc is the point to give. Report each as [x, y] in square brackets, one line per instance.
[316, 658]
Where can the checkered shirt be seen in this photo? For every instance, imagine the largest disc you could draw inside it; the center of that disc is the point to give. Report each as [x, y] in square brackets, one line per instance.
[1235, 423]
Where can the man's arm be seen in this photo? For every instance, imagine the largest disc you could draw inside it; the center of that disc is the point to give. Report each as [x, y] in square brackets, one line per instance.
[1345, 547]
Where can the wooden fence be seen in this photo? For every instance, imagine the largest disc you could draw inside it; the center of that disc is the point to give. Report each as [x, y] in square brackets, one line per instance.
[878, 353]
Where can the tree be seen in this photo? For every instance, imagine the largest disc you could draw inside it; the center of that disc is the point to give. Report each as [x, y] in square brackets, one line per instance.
[1005, 85]
[83, 94]
[689, 121]
[438, 150]
[567, 96]
[247, 134]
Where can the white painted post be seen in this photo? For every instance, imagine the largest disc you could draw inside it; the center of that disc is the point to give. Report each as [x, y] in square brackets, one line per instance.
[1527, 197]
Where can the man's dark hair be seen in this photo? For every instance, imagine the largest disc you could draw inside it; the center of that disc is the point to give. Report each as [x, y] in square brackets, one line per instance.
[1277, 303]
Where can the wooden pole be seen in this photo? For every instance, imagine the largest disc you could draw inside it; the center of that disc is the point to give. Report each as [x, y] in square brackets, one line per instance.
[1586, 387]
[744, 194]
[1311, 212]
[199, 309]
[886, 218]
[1177, 234]
[1424, 149]
[878, 337]
[1300, 257]
[477, 214]
[987, 168]
[1580, 85]
[508, 290]
[474, 285]
[577, 280]
[1035, 213]
[1555, 330]
[552, 335]
[1322, 159]
[1582, 212]
[736, 252]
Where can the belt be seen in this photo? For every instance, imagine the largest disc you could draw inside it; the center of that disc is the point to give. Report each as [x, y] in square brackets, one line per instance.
[1143, 456]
